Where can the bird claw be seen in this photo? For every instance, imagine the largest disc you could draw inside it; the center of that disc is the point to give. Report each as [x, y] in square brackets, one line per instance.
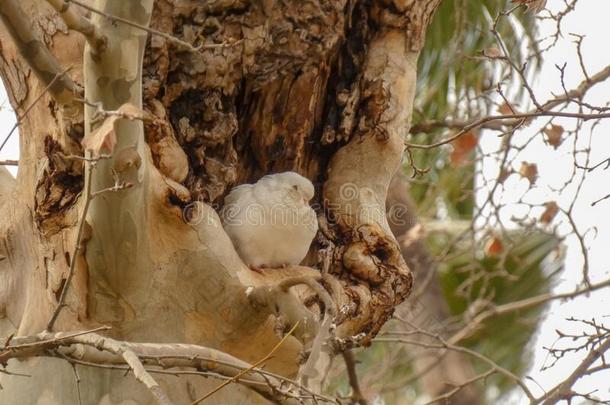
[257, 269]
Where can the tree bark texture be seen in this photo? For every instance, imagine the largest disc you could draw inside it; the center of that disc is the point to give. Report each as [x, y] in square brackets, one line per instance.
[324, 88]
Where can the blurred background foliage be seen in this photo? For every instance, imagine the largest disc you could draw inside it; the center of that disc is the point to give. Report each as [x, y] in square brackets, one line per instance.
[489, 266]
[456, 84]
[523, 270]
[449, 69]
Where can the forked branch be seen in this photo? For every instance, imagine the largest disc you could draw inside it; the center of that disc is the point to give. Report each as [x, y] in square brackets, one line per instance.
[97, 350]
[79, 23]
[37, 55]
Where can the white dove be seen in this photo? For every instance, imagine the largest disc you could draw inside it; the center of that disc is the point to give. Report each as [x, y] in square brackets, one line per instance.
[270, 222]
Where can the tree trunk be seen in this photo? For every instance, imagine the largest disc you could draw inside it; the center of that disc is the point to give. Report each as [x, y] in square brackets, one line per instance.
[324, 88]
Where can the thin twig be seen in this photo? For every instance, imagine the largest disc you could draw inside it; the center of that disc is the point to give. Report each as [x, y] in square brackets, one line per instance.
[563, 390]
[445, 345]
[511, 117]
[78, 244]
[261, 361]
[520, 305]
[153, 31]
[447, 395]
[79, 23]
[44, 342]
[545, 108]
[350, 363]
[77, 379]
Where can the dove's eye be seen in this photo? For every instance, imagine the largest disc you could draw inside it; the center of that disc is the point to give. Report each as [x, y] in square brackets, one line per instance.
[294, 187]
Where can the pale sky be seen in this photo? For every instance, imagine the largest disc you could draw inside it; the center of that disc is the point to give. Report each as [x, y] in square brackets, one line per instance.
[7, 120]
[590, 19]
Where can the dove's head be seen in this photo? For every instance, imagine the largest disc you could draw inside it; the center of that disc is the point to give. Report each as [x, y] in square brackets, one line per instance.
[292, 185]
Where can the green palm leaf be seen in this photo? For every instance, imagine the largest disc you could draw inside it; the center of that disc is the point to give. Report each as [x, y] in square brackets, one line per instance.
[528, 272]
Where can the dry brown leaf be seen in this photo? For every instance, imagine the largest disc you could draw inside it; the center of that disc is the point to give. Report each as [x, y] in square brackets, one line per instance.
[554, 135]
[529, 171]
[492, 52]
[506, 109]
[550, 211]
[131, 112]
[504, 173]
[462, 147]
[102, 140]
[493, 246]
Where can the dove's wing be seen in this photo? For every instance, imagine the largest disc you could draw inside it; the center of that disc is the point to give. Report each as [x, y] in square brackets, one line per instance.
[235, 202]
[238, 193]
[268, 192]
[267, 224]
[242, 218]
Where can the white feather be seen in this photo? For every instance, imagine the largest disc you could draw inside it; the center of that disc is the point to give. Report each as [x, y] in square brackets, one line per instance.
[270, 222]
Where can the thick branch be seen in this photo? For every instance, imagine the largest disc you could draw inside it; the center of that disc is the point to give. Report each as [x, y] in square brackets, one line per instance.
[79, 23]
[359, 176]
[277, 298]
[35, 52]
[97, 349]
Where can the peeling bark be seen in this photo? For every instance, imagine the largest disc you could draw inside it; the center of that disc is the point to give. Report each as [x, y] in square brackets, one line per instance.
[358, 179]
[35, 51]
[322, 88]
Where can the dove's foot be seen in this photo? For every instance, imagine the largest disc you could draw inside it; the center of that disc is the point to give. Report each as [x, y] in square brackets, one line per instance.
[257, 269]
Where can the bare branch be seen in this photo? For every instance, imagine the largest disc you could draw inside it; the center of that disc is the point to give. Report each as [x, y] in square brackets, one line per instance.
[84, 347]
[447, 346]
[245, 371]
[79, 23]
[9, 163]
[358, 397]
[170, 38]
[448, 395]
[77, 379]
[520, 305]
[563, 390]
[35, 52]
[513, 120]
[78, 244]
[144, 377]
[492, 121]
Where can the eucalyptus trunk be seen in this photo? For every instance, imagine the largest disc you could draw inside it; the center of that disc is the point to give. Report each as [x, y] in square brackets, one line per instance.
[241, 89]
